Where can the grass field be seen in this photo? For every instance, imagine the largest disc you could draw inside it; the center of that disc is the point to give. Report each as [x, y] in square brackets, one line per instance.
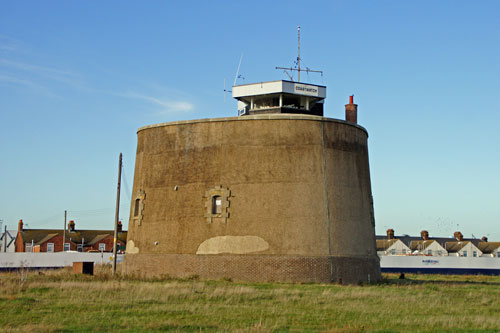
[62, 301]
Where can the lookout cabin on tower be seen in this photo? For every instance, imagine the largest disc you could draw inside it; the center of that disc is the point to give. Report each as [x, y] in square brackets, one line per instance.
[279, 97]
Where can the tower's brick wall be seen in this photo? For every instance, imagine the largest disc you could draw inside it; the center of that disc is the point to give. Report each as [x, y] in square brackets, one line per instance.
[256, 267]
[288, 192]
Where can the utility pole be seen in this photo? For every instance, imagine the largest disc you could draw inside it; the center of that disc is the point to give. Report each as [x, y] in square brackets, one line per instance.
[117, 213]
[4, 236]
[64, 230]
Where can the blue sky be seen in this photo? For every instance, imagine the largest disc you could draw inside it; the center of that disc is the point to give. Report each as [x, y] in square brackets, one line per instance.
[77, 79]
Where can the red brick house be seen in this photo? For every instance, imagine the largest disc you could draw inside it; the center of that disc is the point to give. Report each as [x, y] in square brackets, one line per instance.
[51, 240]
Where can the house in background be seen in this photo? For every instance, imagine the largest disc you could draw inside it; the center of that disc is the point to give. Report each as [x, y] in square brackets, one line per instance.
[456, 245]
[51, 240]
[428, 247]
[490, 249]
[462, 249]
[392, 247]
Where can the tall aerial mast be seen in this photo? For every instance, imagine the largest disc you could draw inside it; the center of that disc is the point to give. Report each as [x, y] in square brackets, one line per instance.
[298, 52]
[298, 69]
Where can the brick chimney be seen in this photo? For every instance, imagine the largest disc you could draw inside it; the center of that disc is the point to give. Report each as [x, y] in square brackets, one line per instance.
[71, 226]
[458, 236]
[119, 227]
[390, 233]
[20, 226]
[424, 234]
[484, 239]
[351, 111]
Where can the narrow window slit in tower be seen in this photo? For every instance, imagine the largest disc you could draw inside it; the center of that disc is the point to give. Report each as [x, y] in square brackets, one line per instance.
[216, 204]
[136, 207]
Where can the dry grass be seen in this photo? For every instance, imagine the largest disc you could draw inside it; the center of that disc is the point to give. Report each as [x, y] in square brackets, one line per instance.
[63, 301]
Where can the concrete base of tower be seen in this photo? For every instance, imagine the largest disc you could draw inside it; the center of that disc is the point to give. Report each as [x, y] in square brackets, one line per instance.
[256, 268]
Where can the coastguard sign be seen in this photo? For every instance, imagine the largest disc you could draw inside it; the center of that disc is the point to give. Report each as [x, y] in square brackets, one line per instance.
[304, 89]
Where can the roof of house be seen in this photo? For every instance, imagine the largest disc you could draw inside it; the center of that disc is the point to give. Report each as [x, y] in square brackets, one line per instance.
[488, 247]
[456, 246]
[407, 239]
[45, 239]
[384, 244]
[98, 238]
[421, 244]
[40, 236]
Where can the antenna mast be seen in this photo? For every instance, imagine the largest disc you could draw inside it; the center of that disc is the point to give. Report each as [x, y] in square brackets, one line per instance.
[286, 69]
[298, 53]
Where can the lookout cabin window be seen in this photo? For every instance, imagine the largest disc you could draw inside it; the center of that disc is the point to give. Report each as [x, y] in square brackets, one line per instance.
[136, 207]
[216, 204]
[291, 102]
[266, 102]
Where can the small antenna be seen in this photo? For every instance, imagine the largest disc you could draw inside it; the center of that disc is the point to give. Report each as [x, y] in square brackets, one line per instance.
[307, 70]
[236, 77]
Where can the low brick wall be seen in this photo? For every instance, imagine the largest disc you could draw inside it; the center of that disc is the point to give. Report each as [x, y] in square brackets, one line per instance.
[324, 269]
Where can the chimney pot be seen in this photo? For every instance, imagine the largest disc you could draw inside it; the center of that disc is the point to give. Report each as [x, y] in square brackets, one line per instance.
[458, 236]
[20, 225]
[71, 225]
[351, 111]
[390, 233]
[424, 234]
[484, 239]
[120, 226]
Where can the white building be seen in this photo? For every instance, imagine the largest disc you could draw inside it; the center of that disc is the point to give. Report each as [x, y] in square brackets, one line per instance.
[489, 249]
[392, 247]
[428, 247]
[462, 249]
[280, 97]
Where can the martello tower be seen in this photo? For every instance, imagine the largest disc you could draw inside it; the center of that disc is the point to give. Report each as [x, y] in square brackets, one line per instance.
[278, 193]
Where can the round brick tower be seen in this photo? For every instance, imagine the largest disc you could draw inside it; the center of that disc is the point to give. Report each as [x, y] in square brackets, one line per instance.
[260, 197]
